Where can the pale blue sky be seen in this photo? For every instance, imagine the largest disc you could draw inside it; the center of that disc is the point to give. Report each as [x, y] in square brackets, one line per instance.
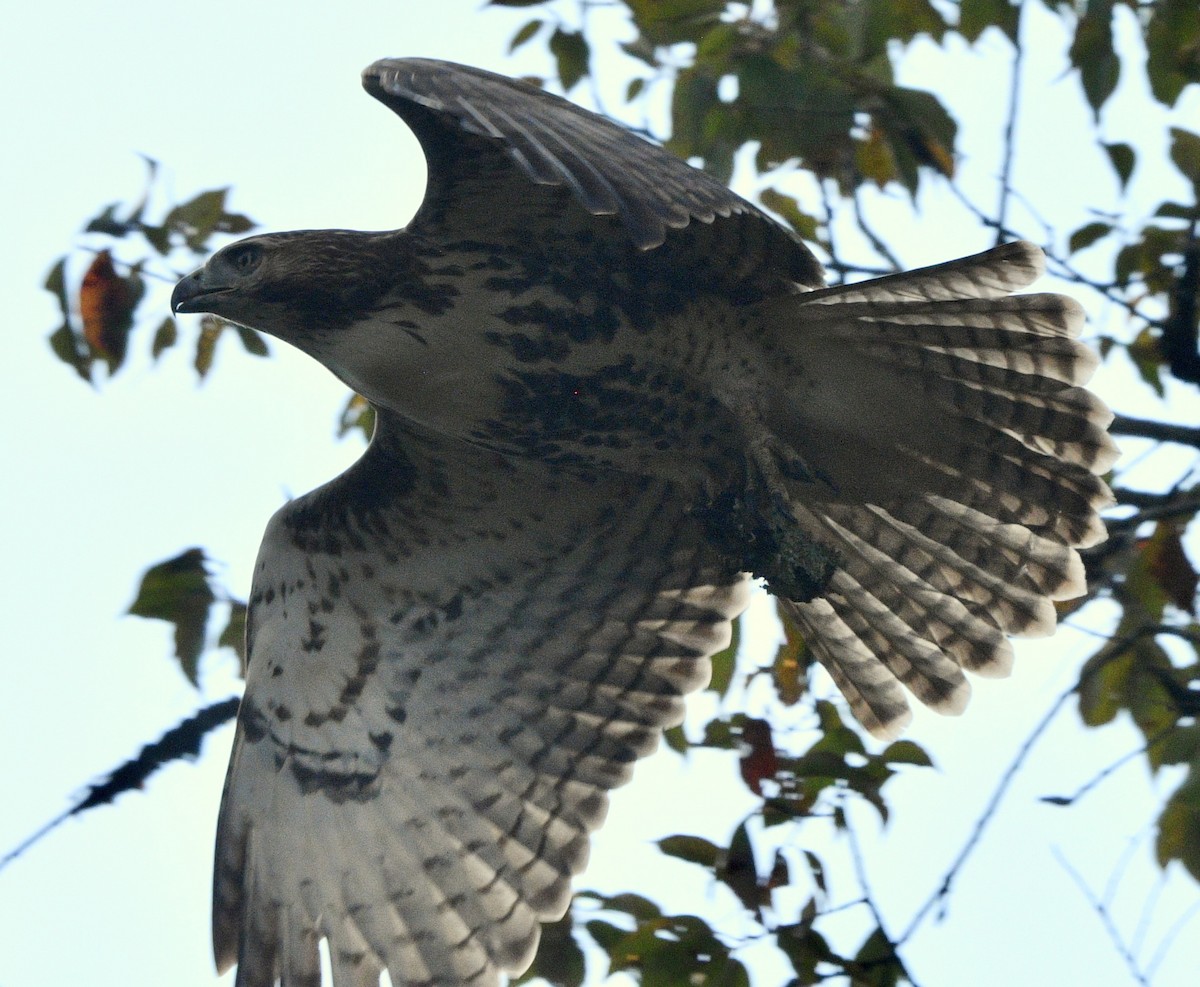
[265, 97]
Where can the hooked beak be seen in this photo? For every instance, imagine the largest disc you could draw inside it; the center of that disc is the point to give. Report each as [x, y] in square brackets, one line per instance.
[192, 292]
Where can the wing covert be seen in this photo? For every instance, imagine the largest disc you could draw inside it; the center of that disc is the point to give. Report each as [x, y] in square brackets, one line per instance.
[453, 657]
[490, 141]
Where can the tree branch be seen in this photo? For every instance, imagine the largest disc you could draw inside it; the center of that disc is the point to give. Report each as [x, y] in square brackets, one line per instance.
[943, 889]
[1145, 428]
[1010, 128]
[1102, 911]
[182, 740]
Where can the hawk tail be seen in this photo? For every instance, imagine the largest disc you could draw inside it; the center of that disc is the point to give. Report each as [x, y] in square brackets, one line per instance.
[960, 469]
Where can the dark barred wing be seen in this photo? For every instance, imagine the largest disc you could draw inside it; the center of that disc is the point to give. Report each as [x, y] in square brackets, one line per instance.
[491, 142]
[453, 658]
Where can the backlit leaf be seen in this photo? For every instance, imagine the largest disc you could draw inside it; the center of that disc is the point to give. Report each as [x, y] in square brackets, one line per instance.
[1185, 152]
[1172, 48]
[165, 336]
[693, 849]
[524, 34]
[1123, 158]
[572, 53]
[1179, 826]
[724, 662]
[975, 16]
[1088, 234]
[106, 304]
[177, 591]
[1093, 55]
[234, 634]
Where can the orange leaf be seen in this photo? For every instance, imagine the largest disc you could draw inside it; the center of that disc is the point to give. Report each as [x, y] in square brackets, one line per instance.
[106, 302]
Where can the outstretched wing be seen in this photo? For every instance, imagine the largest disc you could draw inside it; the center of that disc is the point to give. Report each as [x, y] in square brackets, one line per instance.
[502, 153]
[453, 658]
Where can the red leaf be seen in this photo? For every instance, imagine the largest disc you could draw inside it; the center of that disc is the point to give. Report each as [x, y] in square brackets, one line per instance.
[759, 760]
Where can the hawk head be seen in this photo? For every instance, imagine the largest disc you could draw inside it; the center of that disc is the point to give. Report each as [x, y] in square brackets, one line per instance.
[301, 287]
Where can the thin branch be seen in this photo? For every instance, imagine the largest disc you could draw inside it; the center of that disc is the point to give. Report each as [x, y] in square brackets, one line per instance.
[1101, 910]
[827, 204]
[876, 241]
[1154, 506]
[1063, 269]
[1010, 128]
[860, 873]
[943, 889]
[182, 740]
[1168, 940]
[1093, 782]
[1147, 428]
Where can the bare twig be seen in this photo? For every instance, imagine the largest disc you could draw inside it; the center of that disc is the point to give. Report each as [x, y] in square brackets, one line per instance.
[876, 241]
[1168, 940]
[1102, 911]
[1010, 142]
[943, 889]
[860, 873]
[1091, 783]
[1062, 268]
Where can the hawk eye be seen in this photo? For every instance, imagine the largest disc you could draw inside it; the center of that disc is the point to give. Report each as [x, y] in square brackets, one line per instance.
[246, 258]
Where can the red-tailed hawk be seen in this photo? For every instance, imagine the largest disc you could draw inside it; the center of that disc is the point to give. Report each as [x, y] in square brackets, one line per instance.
[609, 393]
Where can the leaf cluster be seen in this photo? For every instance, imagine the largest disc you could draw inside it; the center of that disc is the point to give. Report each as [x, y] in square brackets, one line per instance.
[99, 315]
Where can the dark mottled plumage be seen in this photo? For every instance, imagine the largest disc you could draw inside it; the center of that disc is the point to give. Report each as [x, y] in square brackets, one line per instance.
[608, 389]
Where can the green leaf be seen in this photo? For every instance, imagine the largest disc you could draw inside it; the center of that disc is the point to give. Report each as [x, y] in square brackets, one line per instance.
[234, 635]
[165, 336]
[1177, 210]
[789, 210]
[975, 16]
[676, 739]
[1179, 826]
[108, 224]
[887, 21]
[571, 52]
[1172, 43]
[1185, 152]
[906, 752]
[1122, 158]
[65, 342]
[693, 849]
[877, 964]
[643, 909]
[634, 89]
[252, 342]
[1093, 55]
[211, 329]
[805, 948]
[724, 662]
[177, 591]
[1147, 357]
[670, 22]
[357, 415]
[1088, 234]
[526, 31]
[558, 960]
[739, 873]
